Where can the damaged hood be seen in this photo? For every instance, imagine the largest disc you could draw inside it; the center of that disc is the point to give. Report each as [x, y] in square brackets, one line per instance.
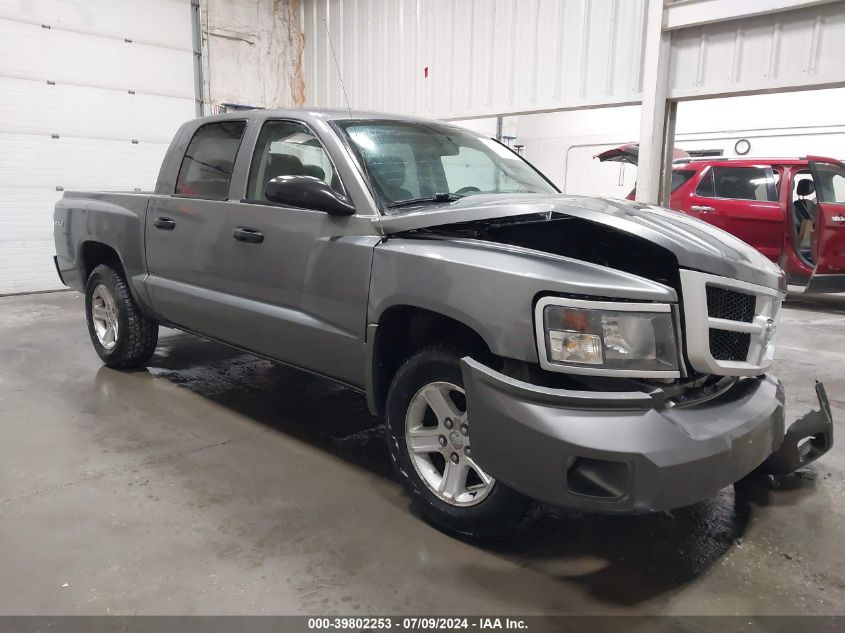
[695, 244]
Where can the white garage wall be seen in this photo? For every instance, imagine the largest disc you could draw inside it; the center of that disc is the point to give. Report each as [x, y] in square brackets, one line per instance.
[483, 57]
[82, 108]
[563, 144]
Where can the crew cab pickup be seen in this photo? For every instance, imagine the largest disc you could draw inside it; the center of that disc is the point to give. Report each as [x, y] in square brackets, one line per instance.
[790, 209]
[522, 345]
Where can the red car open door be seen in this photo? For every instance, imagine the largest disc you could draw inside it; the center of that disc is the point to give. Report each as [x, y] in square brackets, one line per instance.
[829, 227]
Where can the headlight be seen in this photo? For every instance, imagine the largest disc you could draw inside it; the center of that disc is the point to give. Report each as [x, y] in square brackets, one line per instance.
[608, 338]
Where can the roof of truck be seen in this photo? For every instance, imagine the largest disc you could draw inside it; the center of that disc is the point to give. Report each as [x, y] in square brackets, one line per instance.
[325, 114]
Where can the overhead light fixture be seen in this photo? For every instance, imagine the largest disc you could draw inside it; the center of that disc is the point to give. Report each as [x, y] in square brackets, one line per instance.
[742, 146]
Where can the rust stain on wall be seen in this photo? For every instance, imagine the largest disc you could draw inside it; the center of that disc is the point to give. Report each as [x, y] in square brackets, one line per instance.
[289, 10]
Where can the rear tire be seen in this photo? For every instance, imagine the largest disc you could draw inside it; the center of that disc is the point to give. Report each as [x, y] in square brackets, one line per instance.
[442, 480]
[121, 335]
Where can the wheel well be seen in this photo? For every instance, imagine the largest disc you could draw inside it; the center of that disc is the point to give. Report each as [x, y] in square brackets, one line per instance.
[96, 253]
[402, 330]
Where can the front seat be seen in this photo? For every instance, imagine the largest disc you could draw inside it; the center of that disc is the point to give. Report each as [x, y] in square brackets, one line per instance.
[805, 213]
[805, 209]
[730, 188]
[389, 174]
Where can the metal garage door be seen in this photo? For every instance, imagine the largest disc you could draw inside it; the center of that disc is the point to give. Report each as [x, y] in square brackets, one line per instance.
[91, 92]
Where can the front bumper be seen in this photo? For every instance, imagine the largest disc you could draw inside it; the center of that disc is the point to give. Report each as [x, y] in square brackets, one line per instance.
[622, 452]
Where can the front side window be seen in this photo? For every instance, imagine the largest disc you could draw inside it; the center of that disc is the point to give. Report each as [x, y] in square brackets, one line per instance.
[416, 162]
[206, 169]
[288, 148]
[744, 183]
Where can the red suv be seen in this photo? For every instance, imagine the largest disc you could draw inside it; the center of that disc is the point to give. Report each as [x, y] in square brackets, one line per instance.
[790, 209]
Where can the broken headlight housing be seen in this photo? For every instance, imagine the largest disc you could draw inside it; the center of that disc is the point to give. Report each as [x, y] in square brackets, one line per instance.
[607, 338]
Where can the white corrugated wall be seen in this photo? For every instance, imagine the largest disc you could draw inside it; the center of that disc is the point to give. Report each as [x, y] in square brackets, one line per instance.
[488, 57]
[92, 92]
[473, 58]
[765, 53]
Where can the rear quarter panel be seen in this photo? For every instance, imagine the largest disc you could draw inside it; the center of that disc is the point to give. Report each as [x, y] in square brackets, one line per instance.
[114, 219]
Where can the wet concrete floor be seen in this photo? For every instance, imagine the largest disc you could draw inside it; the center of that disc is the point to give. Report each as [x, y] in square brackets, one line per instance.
[219, 483]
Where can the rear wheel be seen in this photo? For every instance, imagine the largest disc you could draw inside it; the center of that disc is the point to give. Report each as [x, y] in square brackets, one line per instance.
[429, 436]
[122, 336]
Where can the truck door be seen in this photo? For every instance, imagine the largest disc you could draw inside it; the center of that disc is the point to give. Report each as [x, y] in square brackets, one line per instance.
[298, 278]
[828, 244]
[742, 200]
[185, 232]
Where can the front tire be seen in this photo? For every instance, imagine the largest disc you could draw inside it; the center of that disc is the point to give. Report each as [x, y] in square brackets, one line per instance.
[121, 335]
[429, 441]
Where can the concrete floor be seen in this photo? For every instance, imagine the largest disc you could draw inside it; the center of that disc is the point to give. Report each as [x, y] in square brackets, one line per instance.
[218, 483]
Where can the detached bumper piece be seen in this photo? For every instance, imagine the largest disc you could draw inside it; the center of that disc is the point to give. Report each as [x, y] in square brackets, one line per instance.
[807, 439]
[629, 452]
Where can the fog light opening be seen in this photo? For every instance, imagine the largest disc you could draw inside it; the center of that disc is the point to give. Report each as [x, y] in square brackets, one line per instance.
[597, 478]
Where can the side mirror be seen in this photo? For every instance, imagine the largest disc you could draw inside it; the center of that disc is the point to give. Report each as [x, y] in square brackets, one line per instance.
[307, 192]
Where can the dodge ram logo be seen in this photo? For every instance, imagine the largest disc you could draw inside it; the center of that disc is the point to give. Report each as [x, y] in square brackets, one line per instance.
[769, 331]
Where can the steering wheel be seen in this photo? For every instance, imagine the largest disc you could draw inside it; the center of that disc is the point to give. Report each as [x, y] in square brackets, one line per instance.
[467, 190]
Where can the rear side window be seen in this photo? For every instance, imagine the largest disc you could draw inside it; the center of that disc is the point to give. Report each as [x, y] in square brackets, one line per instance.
[706, 188]
[739, 183]
[206, 169]
[679, 177]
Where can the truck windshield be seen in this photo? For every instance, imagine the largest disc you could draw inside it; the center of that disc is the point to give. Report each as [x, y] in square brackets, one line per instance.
[412, 164]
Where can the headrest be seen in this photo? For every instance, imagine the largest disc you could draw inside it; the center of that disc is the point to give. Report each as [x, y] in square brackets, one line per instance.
[390, 170]
[730, 188]
[284, 165]
[806, 187]
[314, 170]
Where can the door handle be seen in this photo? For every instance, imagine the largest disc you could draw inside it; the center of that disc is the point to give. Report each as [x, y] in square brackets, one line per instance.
[166, 224]
[701, 209]
[247, 234]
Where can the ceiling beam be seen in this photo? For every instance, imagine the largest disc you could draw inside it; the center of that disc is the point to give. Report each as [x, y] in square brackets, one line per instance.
[687, 13]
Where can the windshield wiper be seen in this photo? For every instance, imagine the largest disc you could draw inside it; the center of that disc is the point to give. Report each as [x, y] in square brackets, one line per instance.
[437, 197]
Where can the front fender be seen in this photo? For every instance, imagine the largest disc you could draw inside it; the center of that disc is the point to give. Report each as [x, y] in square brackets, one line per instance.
[490, 287]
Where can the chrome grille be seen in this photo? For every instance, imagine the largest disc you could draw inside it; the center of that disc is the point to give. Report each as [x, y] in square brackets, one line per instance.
[730, 324]
[729, 304]
[725, 345]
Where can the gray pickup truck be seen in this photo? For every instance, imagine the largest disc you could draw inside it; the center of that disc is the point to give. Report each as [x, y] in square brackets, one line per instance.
[522, 345]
